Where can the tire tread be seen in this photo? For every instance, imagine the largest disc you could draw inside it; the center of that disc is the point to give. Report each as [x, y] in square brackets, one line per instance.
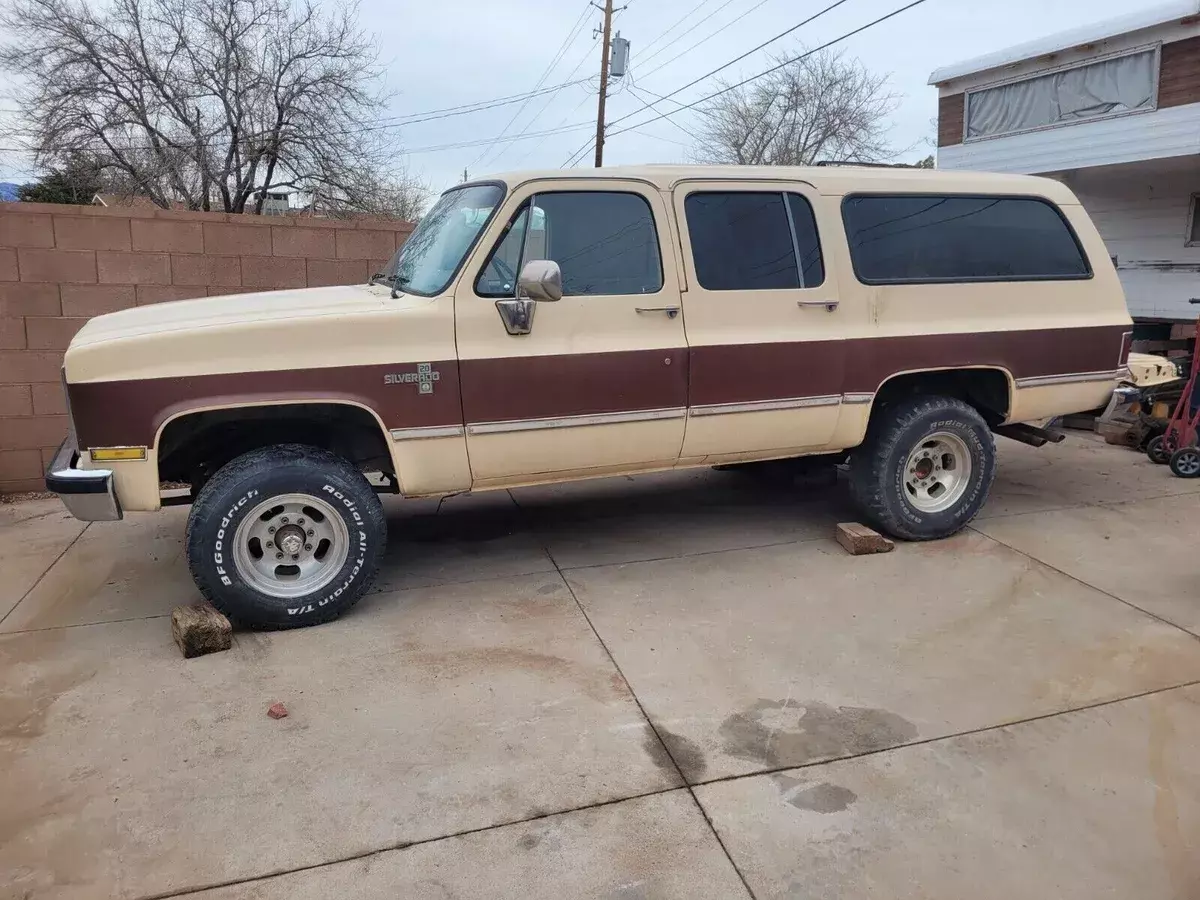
[247, 463]
[886, 430]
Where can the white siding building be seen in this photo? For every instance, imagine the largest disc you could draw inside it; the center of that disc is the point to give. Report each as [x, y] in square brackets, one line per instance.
[1112, 110]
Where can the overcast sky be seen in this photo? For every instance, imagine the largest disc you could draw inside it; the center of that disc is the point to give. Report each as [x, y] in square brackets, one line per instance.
[456, 51]
[451, 52]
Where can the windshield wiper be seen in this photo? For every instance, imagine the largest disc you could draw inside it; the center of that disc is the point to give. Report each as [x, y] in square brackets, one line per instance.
[380, 278]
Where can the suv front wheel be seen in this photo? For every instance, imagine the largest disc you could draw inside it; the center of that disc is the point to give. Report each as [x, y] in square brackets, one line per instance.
[925, 469]
[285, 536]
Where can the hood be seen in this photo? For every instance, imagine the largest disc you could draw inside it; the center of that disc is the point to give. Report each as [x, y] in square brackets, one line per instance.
[247, 333]
[232, 310]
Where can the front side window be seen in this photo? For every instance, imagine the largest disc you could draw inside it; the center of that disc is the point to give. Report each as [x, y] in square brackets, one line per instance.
[753, 241]
[429, 259]
[604, 242]
[926, 238]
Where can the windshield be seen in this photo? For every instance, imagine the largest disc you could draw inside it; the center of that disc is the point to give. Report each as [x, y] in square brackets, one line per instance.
[432, 254]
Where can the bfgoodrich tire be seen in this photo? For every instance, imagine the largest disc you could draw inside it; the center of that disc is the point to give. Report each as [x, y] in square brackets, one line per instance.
[285, 536]
[925, 469]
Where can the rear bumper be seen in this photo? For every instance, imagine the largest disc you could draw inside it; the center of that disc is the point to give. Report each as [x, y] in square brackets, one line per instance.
[87, 493]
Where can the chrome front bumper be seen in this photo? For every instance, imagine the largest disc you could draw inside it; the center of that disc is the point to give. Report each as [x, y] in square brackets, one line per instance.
[87, 493]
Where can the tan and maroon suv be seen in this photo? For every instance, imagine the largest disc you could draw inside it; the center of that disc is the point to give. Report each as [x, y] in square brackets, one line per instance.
[547, 326]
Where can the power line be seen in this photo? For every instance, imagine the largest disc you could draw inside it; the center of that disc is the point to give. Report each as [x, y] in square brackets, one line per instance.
[550, 100]
[720, 30]
[645, 105]
[466, 108]
[638, 91]
[580, 153]
[682, 19]
[454, 146]
[679, 37]
[786, 62]
[586, 97]
[445, 112]
[737, 59]
[567, 41]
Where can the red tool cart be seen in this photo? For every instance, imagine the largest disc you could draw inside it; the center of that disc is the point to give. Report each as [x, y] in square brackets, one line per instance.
[1180, 439]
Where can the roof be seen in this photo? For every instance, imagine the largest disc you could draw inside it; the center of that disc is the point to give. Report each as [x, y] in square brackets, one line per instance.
[1089, 33]
[836, 180]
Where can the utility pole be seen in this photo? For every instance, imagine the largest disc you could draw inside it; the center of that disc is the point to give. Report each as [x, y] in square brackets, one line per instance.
[608, 14]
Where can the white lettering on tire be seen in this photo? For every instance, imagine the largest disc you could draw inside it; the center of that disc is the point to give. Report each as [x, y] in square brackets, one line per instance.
[359, 562]
[219, 545]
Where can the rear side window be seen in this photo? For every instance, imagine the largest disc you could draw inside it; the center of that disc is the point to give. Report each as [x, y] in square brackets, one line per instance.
[746, 240]
[913, 239]
[604, 242]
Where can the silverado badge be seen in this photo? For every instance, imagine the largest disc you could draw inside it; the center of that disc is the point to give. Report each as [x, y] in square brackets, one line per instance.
[424, 378]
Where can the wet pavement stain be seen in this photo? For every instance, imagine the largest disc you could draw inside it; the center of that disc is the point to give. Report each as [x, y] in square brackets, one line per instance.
[792, 733]
[677, 750]
[687, 754]
[822, 798]
[529, 841]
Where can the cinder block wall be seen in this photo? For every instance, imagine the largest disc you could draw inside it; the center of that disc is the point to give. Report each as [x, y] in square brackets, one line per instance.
[61, 265]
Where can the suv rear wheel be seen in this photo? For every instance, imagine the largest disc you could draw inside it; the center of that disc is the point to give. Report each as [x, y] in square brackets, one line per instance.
[285, 536]
[925, 469]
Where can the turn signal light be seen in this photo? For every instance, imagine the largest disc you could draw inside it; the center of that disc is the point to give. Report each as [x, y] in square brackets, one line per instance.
[113, 454]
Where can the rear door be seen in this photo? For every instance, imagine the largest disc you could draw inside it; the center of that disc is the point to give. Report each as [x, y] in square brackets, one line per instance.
[763, 317]
[599, 384]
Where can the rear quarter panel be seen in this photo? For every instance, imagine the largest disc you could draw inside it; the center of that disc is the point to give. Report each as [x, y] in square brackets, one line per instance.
[1060, 343]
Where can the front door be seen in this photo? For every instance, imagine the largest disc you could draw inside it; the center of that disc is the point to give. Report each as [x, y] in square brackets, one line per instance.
[764, 320]
[599, 382]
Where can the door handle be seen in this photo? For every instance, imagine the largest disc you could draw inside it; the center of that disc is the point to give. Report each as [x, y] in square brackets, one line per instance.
[671, 311]
[830, 305]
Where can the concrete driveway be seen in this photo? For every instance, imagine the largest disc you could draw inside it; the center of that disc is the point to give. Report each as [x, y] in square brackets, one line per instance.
[670, 686]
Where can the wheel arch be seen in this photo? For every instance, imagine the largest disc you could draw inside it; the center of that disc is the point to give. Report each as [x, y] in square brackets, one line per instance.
[254, 423]
[990, 389]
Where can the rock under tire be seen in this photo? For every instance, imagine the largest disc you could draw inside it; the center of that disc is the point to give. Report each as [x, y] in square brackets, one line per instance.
[878, 467]
[244, 484]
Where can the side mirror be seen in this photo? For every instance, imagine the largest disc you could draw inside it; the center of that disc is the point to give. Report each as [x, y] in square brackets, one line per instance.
[540, 279]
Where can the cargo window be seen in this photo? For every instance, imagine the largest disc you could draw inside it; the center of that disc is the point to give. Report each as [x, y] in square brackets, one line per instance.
[920, 239]
[753, 240]
[605, 243]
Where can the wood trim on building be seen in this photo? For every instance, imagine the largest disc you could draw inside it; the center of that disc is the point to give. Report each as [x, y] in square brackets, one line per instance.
[951, 109]
[1179, 79]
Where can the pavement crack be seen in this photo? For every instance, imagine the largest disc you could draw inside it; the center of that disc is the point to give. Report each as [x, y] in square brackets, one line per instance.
[983, 729]
[1078, 580]
[661, 744]
[45, 572]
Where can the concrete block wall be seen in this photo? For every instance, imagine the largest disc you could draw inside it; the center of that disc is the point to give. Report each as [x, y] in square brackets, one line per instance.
[60, 265]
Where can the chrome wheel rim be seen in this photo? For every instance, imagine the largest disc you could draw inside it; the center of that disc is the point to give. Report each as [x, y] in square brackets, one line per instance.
[290, 545]
[937, 473]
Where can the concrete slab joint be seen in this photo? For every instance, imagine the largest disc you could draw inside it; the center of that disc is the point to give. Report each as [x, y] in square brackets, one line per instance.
[934, 722]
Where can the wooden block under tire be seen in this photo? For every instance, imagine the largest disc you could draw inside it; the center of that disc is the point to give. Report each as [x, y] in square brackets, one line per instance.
[859, 540]
[200, 629]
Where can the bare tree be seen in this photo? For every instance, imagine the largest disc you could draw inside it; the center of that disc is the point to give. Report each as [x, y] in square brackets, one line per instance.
[822, 106]
[399, 195]
[211, 103]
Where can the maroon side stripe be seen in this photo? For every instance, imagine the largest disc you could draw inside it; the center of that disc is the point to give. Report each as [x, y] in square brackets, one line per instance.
[513, 388]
